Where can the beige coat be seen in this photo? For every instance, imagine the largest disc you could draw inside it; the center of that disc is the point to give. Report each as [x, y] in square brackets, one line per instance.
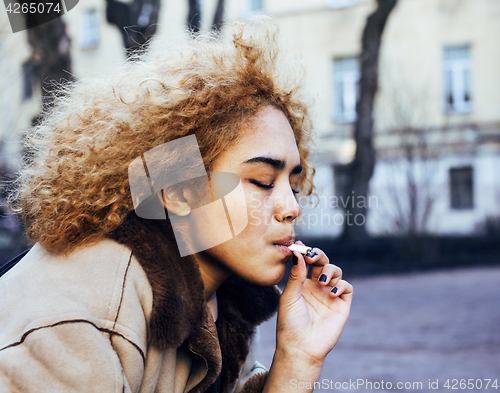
[89, 322]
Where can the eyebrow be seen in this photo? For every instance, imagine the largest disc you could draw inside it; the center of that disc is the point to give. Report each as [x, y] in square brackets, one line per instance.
[275, 163]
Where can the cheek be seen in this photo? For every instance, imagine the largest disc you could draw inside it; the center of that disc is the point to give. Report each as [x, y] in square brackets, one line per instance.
[254, 216]
[259, 211]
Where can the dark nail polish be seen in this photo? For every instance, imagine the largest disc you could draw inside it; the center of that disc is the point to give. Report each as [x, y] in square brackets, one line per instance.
[322, 278]
[334, 290]
[295, 260]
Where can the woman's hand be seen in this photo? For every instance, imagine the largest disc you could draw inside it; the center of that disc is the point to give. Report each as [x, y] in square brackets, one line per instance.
[312, 312]
[311, 316]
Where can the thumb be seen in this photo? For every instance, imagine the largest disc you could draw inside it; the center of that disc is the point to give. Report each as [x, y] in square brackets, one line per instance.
[296, 279]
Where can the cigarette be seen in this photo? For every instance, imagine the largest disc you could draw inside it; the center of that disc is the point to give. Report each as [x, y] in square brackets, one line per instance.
[304, 250]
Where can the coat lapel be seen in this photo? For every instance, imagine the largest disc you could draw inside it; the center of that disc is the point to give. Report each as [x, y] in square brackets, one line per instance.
[180, 314]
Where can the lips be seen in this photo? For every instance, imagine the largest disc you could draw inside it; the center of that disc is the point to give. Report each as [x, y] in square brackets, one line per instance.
[282, 245]
[287, 241]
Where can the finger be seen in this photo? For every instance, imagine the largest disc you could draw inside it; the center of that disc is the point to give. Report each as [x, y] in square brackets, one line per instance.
[330, 275]
[319, 257]
[343, 290]
[318, 262]
[296, 279]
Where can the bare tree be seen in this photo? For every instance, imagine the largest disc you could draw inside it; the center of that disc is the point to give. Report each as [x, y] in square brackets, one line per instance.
[49, 65]
[12, 241]
[360, 170]
[218, 16]
[137, 21]
[194, 16]
[9, 86]
[411, 190]
[50, 47]
[410, 161]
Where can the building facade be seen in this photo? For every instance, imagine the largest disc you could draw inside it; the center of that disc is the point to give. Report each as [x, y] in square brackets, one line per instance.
[437, 117]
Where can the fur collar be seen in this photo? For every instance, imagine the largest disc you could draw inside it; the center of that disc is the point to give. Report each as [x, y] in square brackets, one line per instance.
[180, 315]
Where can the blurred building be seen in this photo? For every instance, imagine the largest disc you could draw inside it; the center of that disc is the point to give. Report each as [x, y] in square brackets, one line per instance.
[437, 111]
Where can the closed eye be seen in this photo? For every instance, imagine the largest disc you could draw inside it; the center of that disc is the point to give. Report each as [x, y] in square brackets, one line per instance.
[269, 186]
[261, 185]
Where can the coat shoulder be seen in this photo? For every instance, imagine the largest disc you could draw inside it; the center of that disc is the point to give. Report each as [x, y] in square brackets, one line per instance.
[88, 284]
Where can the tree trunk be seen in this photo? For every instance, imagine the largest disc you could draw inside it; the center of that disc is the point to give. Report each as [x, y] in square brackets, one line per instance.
[51, 54]
[218, 17]
[137, 21]
[360, 170]
[194, 16]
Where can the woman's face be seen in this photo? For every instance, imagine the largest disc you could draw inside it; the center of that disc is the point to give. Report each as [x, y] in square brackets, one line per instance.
[267, 161]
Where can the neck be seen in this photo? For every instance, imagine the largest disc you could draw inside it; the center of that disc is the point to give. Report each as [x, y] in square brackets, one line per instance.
[213, 273]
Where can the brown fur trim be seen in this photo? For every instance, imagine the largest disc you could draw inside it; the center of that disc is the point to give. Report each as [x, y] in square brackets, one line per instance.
[237, 321]
[204, 342]
[178, 291]
[254, 303]
[179, 309]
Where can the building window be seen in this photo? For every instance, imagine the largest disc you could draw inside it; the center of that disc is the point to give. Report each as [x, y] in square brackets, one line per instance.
[346, 88]
[335, 4]
[461, 188]
[89, 29]
[457, 79]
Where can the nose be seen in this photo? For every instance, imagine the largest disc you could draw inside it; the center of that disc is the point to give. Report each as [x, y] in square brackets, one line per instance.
[286, 207]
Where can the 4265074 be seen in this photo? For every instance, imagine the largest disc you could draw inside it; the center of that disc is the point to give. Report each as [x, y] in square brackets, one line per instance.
[471, 383]
[33, 8]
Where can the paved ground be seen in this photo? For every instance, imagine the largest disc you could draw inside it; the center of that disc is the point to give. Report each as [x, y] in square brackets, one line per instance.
[415, 328]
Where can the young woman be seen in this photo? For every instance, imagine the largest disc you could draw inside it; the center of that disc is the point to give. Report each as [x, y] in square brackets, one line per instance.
[110, 299]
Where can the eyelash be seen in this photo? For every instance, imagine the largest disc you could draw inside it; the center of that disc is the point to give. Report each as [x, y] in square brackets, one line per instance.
[260, 185]
[268, 186]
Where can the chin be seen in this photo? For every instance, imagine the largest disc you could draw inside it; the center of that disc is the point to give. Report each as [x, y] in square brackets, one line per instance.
[269, 278]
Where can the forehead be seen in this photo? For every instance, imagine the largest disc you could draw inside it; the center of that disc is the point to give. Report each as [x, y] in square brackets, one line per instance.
[269, 134]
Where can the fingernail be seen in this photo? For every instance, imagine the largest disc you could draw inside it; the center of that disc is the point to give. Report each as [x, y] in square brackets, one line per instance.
[322, 278]
[295, 260]
[334, 290]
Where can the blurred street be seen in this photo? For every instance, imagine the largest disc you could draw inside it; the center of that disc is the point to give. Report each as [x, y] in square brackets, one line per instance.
[414, 328]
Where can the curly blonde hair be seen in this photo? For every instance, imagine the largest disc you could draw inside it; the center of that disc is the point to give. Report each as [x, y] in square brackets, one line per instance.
[77, 188]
